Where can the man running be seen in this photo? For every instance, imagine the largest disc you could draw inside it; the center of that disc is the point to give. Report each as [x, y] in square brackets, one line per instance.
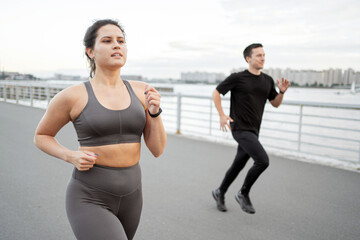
[249, 91]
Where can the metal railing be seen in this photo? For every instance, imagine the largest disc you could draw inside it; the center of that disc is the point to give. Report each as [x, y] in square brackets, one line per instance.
[317, 129]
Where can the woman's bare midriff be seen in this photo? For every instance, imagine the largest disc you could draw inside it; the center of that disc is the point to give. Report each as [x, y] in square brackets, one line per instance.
[116, 155]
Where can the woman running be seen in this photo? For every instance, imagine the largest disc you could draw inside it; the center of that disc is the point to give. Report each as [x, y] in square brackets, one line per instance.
[110, 114]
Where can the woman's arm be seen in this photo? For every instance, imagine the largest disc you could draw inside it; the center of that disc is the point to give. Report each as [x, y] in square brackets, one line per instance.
[55, 117]
[155, 135]
[154, 132]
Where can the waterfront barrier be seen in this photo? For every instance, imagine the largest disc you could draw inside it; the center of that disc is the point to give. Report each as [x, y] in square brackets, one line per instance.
[325, 130]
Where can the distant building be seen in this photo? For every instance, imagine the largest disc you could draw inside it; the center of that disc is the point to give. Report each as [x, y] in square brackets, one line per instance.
[303, 77]
[68, 77]
[351, 76]
[202, 77]
[275, 73]
[15, 76]
[326, 78]
[240, 69]
[332, 77]
[132, 77]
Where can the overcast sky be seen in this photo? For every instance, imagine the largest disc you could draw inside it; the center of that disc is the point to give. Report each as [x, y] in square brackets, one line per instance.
[165, 37]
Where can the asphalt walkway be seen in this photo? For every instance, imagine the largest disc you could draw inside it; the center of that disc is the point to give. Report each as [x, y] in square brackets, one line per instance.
[294, 200]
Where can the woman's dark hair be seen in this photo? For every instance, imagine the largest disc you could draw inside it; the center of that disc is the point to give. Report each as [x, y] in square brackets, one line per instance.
[90, 36]
[248, 49]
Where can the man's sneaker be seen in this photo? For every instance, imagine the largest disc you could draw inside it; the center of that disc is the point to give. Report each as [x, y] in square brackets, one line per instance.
[245, 203]
[220, 200]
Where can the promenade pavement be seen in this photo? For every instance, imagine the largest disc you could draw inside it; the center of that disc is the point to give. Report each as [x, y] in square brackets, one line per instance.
[294, 200]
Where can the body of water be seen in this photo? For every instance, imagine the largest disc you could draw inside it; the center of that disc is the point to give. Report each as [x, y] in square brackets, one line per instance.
[324, 95]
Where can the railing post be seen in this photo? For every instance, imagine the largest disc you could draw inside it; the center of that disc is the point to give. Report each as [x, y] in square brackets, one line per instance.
[300, 127]
[178, 121]
[31, 95]
[47, 95]
[210, 130]
[16, 94]
[5, 93]
[359, 152]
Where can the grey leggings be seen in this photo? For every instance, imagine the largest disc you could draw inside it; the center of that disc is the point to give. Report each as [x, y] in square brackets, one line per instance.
[104, 203]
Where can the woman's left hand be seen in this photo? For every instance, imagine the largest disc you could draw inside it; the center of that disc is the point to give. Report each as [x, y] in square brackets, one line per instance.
[152, 99]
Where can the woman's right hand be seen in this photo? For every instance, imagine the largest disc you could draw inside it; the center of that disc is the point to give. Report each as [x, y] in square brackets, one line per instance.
[82, 160]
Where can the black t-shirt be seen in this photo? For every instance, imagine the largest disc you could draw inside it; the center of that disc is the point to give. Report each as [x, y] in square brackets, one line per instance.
[248, 97]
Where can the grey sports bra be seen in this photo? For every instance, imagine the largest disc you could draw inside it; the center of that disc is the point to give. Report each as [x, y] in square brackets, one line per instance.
[97, 125]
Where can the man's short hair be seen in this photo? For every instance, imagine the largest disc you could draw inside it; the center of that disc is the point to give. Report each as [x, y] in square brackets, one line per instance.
[248, 49]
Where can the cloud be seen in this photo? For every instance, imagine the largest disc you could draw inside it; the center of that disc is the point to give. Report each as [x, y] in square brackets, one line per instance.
[170, 37]
[288, 21]
[187, 46]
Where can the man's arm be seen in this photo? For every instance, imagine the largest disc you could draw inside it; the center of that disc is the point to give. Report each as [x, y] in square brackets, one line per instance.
[283, 86]
[223, 118]
[276, 102]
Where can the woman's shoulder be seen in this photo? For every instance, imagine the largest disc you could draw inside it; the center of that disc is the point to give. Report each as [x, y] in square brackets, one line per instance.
[139, 89]
[71, 93]
[76, 87]
[137, 84]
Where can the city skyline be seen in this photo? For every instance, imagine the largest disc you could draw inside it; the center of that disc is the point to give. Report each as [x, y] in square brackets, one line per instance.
[166, 38]
[312, 78]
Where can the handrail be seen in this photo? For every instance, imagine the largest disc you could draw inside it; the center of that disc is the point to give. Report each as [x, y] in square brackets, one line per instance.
[184, 115]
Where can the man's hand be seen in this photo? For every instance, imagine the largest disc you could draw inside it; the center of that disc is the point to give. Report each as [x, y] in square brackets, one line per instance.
[224, 122]
[284, 85]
